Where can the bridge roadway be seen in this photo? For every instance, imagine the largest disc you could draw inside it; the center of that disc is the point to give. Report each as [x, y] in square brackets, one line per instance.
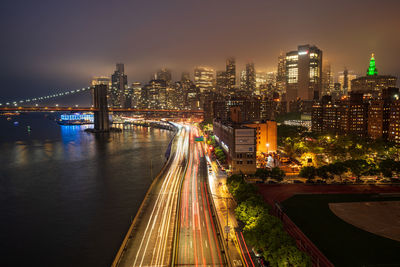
[91, 109]
[151, 239]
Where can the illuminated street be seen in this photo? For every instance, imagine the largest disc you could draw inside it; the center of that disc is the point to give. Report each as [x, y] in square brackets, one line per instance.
[237, 251]
[198, 242]
[150, 244]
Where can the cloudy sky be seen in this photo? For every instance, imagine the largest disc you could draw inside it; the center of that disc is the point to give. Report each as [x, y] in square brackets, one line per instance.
[48, 45]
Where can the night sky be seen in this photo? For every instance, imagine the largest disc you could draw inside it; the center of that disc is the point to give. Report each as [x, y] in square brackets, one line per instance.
[62, 44]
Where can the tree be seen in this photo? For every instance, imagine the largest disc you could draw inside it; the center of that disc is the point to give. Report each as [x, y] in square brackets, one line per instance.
[323, 172]
[277, 174]
[263, 174]
[387, 167]
[308, 172]
[289, 255]
[358, 167]
[337, 168]
[251, 210]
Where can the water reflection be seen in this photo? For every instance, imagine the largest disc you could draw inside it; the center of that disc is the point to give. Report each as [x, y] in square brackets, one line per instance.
[71, 194]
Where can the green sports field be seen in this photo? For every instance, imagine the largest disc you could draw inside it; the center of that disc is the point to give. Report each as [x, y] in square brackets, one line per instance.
[343, 243]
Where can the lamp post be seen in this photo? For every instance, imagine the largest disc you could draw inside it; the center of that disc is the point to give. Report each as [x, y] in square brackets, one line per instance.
[227, 229]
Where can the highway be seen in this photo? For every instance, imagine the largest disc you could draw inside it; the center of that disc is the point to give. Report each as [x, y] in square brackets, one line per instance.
[238, 251]
[198, 243]
[150, 243]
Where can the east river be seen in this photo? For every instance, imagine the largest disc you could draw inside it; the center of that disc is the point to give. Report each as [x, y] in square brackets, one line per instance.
[67, 197]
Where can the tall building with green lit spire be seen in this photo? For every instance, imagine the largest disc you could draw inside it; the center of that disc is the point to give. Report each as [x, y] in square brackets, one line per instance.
[372, 70]
[372, 84]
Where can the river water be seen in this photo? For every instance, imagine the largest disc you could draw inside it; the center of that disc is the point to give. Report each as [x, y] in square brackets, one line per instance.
[66, 196]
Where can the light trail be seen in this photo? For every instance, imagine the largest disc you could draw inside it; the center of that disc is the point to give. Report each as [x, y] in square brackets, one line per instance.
[152, 244]
[198, 243]
[248, 253]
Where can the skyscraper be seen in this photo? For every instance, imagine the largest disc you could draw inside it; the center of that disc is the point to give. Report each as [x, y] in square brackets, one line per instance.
[221, 84]
[165, 75]
[230, 74]
[137, 94]
[327, 80]
[119, 82]
[345, 79]
[97, 81]
[250, 78]
[155, 92]
[372, 70]
[281, 74]
[185, 77]
[304, 73]
[204, 79]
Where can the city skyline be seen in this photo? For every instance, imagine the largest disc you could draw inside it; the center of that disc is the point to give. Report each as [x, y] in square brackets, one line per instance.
[64, 45]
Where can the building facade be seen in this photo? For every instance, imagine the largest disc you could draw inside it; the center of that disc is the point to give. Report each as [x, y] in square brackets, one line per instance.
[239, 144]
[304, 73]
[119, 83]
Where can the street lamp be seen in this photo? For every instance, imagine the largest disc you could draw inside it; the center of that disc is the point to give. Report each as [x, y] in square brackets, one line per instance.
[227, 228]
[267, 145]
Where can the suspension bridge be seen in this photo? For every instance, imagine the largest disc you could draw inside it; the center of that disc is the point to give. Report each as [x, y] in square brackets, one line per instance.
[100, 107]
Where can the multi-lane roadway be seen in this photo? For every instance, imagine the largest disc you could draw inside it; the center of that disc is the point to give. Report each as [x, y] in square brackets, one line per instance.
[176, 224]
[198, 237]
[150, 243]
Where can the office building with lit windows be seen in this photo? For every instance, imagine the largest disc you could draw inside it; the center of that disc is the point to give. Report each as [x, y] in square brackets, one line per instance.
[204, 79]
[345, 79]
[394, 122]
[230, 75]
[119, 82]
[239, 144]
[379, 114]
[304, 73]
[281, 75]
[250, 78]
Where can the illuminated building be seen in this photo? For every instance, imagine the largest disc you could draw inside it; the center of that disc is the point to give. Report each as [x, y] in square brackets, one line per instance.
[119, 82]
[372, 84]
[347, 116]
[204, 79]
[266, 136]
[345, 79]
[281, 74]
[237, 110]
[137, 94]
[243, 80]
[250, 78]
[230, 75]
[165, 75]
[128, 97]
[337, 92]
[379, 114]
[239, 144]
[155, 93]
[185, 77]
[327, 80]
[261, 81]
[221, 85]
[304, 73]
[97, 81]
[317, 117]
[101, 80]
[394, 122]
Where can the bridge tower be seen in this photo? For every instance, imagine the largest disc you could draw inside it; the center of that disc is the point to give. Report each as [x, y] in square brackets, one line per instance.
[101, 119]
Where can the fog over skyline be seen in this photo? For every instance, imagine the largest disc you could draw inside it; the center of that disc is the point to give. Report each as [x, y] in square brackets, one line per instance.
[63, 44]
